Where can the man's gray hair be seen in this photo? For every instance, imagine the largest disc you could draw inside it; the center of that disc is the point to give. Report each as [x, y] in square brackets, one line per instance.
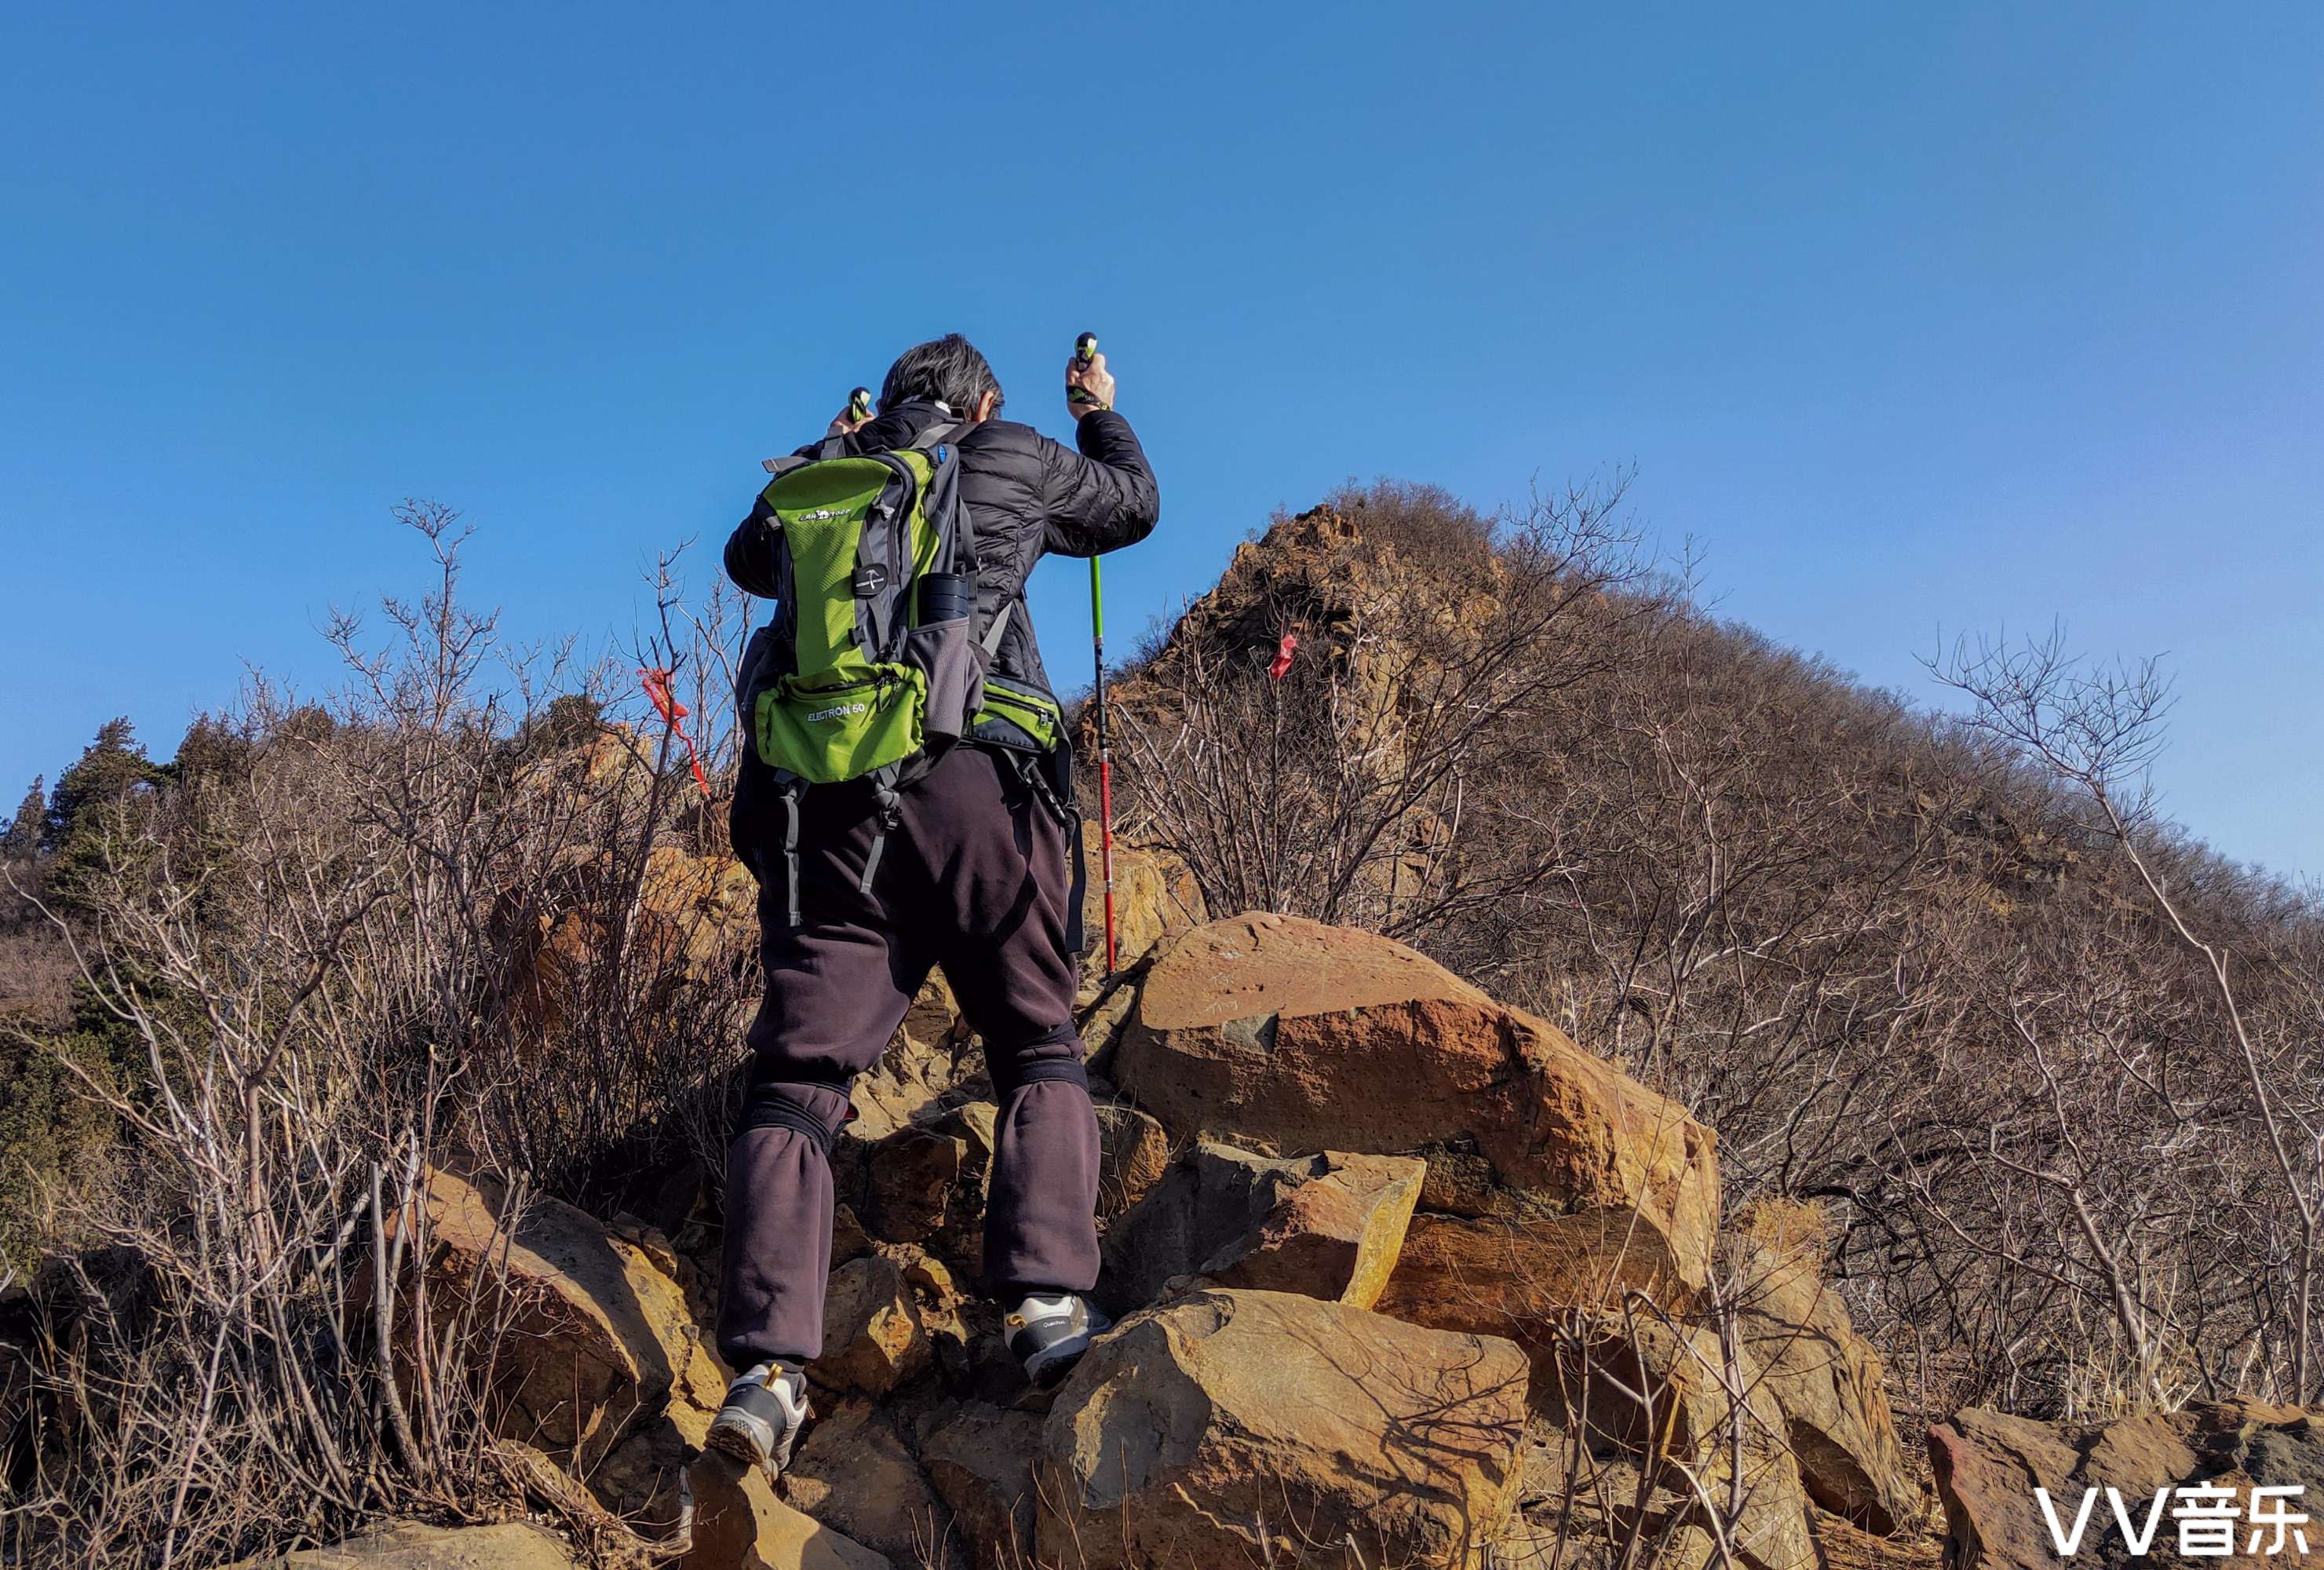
[947, 370]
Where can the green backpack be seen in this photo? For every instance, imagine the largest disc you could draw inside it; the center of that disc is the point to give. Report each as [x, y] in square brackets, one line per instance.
[873, 666]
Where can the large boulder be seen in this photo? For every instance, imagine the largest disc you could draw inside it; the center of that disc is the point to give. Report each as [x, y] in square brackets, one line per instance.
[1327, 1226]
[739, 1524]
[980, 1459]
[1662, 1425]
[411, 1547]
[1988, 1465]
[873, 1337]
[853, 1472]
[597, 1333]
[1828, 1383]
[1287, 1035]
[1523, 1277]
[643, 1479]
[1236, 1428]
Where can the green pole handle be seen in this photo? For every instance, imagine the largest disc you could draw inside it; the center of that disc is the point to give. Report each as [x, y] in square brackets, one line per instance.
[1097, 606]
[1085, 351]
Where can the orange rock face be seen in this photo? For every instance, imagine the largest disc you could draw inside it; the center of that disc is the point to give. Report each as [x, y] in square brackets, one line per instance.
[1287, 1035]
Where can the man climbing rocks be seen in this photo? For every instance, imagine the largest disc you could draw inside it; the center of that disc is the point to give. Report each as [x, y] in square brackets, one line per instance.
[862, 887]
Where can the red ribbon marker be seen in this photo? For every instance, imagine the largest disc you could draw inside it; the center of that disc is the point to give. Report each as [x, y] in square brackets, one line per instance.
[1282, 666]
[657, 685]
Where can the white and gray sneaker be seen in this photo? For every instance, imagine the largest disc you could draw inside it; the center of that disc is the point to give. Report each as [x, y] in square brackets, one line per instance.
[1048, 1334]
[761, 1417]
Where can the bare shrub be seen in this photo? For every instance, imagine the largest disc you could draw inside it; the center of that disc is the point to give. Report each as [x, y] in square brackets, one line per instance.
[2050, 1064]
[429, 923]
[1363, 783]
[2181, 1073]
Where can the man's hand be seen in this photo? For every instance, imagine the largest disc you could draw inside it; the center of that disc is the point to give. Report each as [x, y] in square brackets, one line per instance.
[1088, 386]
[855, 417]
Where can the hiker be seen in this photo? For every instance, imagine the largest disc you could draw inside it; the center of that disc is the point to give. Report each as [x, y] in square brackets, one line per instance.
[963, 852]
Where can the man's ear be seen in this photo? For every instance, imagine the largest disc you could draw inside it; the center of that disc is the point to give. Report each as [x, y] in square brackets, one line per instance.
[984, 406]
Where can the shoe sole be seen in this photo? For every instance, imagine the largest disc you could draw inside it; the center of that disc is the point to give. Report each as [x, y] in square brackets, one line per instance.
[734, 1442]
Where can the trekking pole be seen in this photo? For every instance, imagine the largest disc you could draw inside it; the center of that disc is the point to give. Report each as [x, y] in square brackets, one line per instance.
[1086, 346]
[1104, 766]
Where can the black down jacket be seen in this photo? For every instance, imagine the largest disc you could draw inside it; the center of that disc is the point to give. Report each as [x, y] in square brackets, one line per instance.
[1026, 496]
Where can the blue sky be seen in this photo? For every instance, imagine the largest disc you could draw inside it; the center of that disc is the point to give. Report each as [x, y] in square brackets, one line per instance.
[1957, 316]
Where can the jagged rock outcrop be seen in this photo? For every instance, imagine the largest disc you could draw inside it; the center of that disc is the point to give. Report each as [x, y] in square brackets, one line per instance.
[739, 1524]
[873, 1337]
[599, 1334]
[1287, 1035]
[1236, 1426]
[980, 1458]
[854, 1473]
[1402, 1273]
[1828, 1384]
[1407, 1277]
[1518, 1276]
[1328, 1226]
[1988, 1465]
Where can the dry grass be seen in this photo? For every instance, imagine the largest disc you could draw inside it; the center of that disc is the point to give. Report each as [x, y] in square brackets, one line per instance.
[328, 970]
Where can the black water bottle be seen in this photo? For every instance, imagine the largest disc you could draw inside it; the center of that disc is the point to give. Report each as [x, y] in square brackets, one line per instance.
[946, 597]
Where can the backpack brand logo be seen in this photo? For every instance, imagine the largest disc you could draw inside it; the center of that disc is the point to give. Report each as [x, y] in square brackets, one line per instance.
[837, 711]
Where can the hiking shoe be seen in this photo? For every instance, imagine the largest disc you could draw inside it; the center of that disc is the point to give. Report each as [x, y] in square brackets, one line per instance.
[761, 1417]
[1048, 1334]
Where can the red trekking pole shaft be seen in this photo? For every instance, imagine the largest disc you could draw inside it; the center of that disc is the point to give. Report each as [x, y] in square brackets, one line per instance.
[1104, 765]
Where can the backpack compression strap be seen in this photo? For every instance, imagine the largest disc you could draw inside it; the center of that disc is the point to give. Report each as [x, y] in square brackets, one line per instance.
[791, 785]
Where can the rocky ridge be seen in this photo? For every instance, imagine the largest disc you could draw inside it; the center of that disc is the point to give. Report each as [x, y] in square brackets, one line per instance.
[1405, 1277]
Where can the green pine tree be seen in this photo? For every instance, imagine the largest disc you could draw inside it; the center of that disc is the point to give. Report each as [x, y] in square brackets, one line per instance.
[89, 824]
[21, 840]
[113, 767]
[213, 748]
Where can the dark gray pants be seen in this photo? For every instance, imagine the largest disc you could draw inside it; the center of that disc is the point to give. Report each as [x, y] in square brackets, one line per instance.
[974, 877]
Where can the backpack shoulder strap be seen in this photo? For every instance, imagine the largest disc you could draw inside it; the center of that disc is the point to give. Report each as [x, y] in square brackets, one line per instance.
[965, 557]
